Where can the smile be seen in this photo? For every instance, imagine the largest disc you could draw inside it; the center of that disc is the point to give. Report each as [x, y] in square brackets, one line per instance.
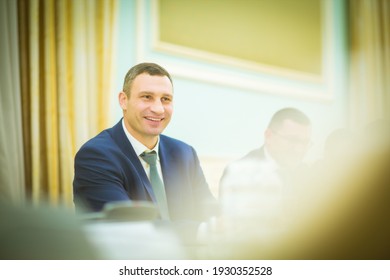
[154, 119]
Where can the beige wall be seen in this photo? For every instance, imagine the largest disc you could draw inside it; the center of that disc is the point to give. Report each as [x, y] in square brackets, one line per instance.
[279, 33]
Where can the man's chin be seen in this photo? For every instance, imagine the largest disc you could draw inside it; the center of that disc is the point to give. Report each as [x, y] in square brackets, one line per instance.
[155, 132]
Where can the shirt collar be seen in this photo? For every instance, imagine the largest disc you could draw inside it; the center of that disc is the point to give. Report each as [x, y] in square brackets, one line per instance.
[139, 148]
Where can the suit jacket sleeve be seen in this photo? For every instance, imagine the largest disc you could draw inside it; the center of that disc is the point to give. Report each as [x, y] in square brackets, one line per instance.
[98, 178]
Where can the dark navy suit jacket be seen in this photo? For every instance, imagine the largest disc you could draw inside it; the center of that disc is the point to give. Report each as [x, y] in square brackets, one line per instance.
[108, 169]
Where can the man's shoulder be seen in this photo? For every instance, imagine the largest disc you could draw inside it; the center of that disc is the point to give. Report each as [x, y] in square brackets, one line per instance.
[256, 154]
[103, 138]
[247, 162]
[168, 141]
[102, 141]
[176, 148]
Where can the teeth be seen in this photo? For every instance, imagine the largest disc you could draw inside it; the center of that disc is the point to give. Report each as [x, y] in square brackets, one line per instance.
[153, 119]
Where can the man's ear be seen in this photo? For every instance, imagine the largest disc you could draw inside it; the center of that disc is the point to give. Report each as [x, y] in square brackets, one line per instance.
[122, 98]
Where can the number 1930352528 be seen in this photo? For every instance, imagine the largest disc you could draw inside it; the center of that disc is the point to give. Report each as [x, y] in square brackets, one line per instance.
[242, 270]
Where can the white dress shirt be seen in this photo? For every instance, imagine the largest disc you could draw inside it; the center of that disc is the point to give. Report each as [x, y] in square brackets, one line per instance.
[139, 148]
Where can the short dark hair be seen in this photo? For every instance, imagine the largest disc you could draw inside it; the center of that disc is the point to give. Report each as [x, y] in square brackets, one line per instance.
[152, 69]
[288, 114]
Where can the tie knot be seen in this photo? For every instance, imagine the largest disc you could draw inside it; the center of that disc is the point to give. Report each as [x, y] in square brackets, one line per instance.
[149, 157]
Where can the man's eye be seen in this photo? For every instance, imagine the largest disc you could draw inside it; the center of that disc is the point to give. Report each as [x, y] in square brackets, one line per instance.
[166, 99]
[146, 97]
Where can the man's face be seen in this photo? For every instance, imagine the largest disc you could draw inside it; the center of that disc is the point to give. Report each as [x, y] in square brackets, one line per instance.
[148, 109]
[288, 143]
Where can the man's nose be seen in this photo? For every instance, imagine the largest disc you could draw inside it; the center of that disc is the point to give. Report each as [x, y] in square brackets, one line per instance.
[157, 107]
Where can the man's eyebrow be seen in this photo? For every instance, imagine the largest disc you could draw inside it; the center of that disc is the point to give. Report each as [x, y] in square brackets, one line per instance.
[154, 93]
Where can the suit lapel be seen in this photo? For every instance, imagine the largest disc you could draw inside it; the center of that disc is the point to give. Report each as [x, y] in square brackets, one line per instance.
[124, 144]
[168, 168]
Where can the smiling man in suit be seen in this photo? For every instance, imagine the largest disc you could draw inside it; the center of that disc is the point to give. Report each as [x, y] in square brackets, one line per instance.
[134, 161]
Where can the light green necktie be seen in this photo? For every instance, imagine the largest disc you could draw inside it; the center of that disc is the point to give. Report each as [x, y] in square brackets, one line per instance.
[157, 183]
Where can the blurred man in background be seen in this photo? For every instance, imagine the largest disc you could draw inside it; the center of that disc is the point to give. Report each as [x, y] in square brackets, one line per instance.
[260, 186]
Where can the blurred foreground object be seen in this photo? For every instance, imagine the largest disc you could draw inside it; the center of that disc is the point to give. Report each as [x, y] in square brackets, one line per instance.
[124, 211]
[41, 233]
